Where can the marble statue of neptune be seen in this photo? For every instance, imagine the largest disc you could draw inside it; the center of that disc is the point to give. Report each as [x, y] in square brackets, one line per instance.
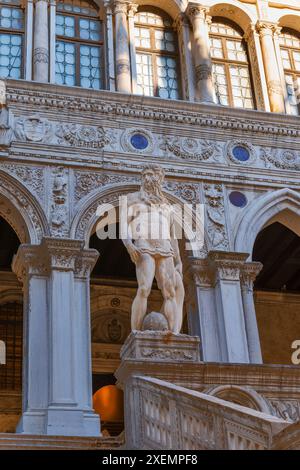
[153, 247]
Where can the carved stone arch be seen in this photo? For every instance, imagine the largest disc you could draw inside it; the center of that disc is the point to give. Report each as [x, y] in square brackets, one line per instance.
[231, 10]
[243, 396]
[21, 210]
[86, 217]
[171, 7]
[260, 212]
[290, 21]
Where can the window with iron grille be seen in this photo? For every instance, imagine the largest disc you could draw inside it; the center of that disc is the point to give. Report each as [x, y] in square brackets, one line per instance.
[157, 59]
[290, 54]
[231, 70]
[11, 332]
[11, 39]
[79, 45]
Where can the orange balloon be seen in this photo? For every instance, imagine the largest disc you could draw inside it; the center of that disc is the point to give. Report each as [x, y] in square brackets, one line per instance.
[108, 403]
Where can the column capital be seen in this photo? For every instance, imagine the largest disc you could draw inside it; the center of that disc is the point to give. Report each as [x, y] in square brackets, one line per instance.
[249, 273]
[132, 8]
[85, 262]
[194, 10]
[265, 27]
[62, 252]
[180, 21]
[120, 6]
[30, 260]
[227, 264]
[201, 272]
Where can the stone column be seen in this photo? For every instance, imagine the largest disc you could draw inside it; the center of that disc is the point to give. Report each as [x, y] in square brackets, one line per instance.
[52, 40]
[248, 276]
[186, 61]
[41, 42]
[257, 66]
[204, 322]
[198, 17]
[123, 78]
[132, 9]
[229, 305]
[110, 56]
[29, 29]
[32, 269]
[266, 31]
[69, 411]
[57, 377]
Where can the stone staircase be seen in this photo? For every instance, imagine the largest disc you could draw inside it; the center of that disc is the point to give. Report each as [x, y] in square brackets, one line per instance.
[9, 441]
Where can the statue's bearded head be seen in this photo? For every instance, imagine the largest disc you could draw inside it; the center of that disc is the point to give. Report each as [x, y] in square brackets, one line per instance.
[152, 179]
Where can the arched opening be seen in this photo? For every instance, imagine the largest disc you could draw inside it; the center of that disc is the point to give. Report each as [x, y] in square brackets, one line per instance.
[277, 291]
[11, 332]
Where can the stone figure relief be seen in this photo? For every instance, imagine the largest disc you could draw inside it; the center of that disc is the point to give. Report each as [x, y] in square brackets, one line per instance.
[216, 224]
[59, 208]
[6, 133]
[152, 246]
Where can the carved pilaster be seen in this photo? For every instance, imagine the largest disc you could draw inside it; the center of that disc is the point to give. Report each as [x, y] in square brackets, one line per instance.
[201, 272]
[30, 260]
[62, 253]
[84, 263]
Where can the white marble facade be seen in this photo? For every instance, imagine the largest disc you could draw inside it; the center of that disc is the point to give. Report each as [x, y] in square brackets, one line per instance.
[66, 150]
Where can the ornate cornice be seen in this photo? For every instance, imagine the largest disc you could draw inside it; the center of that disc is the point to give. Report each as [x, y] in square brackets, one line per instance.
[109, 105]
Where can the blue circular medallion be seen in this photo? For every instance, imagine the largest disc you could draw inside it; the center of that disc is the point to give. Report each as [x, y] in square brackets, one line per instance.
[241, 153]
[238, 199]
[139, 141]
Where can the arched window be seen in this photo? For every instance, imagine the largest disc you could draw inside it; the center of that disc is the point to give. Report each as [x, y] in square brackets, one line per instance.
[11, 39]
[157, 60]
[231, 72]
[290, 54]
[79, 44]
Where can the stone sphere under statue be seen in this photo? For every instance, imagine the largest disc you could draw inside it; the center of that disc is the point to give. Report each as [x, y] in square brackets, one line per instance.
[155, 321]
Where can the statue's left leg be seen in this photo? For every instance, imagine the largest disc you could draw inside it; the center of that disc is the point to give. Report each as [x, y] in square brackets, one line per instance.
[165, 275]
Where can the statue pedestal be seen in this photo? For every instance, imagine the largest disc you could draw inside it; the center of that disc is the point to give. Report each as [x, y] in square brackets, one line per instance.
[152, 346]
[157, 354]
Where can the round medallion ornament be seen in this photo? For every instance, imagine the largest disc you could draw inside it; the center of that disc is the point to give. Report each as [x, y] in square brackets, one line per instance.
[241, 153]
[238, 199]
[139, 141]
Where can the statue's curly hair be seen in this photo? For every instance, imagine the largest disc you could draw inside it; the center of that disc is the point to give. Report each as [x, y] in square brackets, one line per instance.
[156, 169]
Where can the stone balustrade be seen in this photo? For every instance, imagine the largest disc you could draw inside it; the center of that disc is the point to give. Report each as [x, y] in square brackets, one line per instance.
[161, 415]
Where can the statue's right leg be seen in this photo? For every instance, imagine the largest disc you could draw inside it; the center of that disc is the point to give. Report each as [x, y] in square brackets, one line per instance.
[145, 269]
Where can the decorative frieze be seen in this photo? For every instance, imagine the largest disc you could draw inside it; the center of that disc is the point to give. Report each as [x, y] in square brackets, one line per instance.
[284, 159]
[33, 129]
[189, 148]
[83, 136]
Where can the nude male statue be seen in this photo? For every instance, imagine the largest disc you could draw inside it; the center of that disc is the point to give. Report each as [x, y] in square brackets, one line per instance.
[153, 248]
